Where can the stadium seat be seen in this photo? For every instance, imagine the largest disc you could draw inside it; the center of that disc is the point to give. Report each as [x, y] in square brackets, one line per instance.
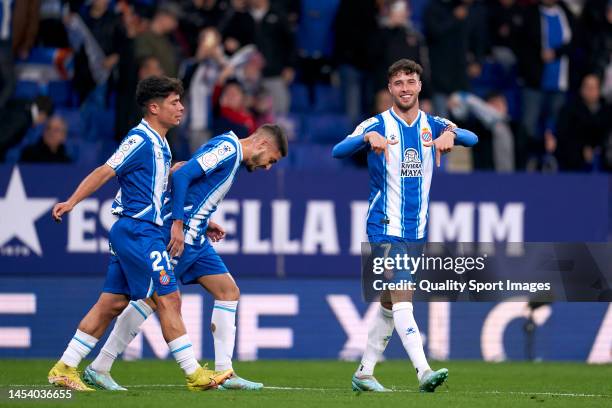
[31, 137]
[313, 156]
[300, 101]
[61, 93]
[327, 128]
[73, 121]
[328, 99]
[26, 90]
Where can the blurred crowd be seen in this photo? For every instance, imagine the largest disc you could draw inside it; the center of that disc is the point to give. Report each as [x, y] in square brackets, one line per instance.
[533, 78]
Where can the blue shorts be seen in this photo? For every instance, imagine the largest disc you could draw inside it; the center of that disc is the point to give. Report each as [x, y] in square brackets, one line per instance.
[139, 263]
[196, 261]
[399, 246]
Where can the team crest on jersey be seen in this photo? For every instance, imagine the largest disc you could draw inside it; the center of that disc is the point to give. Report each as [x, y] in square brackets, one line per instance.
[426, 135]
[164, 279]
[411, 165]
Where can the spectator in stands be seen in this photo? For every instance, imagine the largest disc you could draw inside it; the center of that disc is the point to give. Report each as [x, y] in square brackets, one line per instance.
[148, 67]
[51, 147]
[355, 66]
[398, 39]
[155, 41]
[274, 39]
[456, 37]
[583, 128]
[262, 108]
[104, 26]
[232, 112]
[315, 40]
[200, 14]
[25, 26]
[18, 30]
[51, 31]
[250, 76]
[135, 21]
[545, 43]
[200, 75]
[505, 22]
[383, 101]
[237, 27]
[597, 25]
[20, 117]
[495, 127]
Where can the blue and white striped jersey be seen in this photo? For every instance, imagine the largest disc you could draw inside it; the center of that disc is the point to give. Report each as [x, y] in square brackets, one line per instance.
[201, 184]
[399, 188]
[142, 164]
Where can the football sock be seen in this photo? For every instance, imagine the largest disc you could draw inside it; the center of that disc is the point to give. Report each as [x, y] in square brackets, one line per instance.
[379, 335]
[80, 345]
[406, 327]
[126, 328]
[223, 326]
[182, 350]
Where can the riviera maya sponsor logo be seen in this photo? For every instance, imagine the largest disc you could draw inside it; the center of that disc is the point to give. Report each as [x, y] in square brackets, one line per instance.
[411, 165]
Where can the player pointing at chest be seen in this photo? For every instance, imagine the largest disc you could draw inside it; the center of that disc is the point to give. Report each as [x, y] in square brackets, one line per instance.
[404, 143]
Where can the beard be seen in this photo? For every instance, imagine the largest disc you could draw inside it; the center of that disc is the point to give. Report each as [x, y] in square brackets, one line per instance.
[253, 163]
[405, 106]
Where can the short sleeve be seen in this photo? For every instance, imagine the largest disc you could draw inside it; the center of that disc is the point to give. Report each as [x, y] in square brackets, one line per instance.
[439, 124]
[366, 126]
[214, 157]
[126, 156]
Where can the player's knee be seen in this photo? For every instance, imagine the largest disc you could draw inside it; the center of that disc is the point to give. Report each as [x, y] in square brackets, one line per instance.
[112, 307]
[386, 305]
[228, 293]
[151, 303]
[171, 301]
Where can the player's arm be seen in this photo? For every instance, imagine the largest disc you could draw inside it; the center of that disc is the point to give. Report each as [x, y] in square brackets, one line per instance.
[464, 137]
[181, 179]
[445, 129]
[447, 135]
[363, 135]
[88, 186]
[349, 146]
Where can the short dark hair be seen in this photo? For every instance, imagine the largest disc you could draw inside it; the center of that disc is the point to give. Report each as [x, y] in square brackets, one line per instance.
[406, 66]
[278, 136]
[157, 87]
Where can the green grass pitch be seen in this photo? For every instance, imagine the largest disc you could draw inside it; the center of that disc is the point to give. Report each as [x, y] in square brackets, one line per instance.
[154, 383]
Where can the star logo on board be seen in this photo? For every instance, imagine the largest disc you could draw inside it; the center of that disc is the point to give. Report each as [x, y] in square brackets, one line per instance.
[18, 214]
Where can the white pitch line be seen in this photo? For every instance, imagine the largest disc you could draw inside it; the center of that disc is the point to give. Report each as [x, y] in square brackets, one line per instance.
[525, 393]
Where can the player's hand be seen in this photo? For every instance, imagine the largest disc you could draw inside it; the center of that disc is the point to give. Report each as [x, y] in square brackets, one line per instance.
[60, 209]
[215, 232]
[177, 166]
[443, 144]
[177, 239]
[379, 143]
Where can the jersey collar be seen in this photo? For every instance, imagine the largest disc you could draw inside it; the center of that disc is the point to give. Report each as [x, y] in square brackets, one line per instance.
[402, 121]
